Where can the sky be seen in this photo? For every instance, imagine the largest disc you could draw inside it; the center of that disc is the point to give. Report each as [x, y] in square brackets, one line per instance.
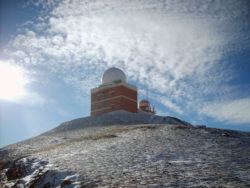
[193, 58]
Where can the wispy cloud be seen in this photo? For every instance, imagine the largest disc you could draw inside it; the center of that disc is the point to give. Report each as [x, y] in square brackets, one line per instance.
[63, 112]
[31, 99]
[230, 112]
[171, 105]
[174, 48]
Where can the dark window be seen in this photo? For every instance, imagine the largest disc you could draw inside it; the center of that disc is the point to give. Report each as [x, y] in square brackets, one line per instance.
[112, 106]
[105, 94]
[105, 103]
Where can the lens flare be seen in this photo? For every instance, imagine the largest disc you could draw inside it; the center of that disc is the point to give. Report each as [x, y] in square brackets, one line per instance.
[12, 81]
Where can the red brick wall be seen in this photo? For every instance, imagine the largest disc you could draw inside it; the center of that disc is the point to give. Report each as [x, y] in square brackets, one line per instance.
[111, 99]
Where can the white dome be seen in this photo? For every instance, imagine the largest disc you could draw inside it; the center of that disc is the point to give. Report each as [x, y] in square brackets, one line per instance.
[113, 74]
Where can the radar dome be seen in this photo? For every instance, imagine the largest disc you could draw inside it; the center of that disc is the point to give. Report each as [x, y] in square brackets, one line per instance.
[112, 75]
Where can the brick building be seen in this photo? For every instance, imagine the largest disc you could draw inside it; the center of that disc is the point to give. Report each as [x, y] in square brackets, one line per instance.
[113, 94]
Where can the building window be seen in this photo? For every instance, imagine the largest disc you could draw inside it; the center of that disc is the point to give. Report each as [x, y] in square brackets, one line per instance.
[112, 94]
[105, 103]
[98, 97]
[105, 94]
[112, 106]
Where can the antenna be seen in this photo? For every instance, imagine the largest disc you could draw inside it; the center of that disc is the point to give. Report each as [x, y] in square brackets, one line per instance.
[147, 93]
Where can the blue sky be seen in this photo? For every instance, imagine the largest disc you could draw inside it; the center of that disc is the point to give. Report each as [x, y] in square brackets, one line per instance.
[192, 56]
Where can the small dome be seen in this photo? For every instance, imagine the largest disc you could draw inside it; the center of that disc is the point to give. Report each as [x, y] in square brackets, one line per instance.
[113, 74]
[144, 103]
[144, 106]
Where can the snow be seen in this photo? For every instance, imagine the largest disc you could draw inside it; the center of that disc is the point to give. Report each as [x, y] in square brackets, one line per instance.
[130, 150]
[118, 118]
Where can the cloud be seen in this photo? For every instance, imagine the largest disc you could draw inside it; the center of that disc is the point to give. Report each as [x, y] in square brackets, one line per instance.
[63, 112]
[13, 82]
[176, 49]
[171, 105]
[230, 112]
[31, 99]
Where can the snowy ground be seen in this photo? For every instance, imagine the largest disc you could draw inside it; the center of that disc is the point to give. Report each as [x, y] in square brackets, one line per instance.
[128, 150]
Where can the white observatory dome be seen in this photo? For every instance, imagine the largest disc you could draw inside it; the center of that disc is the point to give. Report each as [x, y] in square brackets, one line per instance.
[113, 74]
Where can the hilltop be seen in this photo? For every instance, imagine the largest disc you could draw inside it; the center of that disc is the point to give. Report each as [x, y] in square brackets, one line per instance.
[128, 150]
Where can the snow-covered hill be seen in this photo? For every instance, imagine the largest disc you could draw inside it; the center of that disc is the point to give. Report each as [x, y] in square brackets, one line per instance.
[128, 150]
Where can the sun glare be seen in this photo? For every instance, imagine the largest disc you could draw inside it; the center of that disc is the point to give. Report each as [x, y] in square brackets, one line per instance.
[12, 81]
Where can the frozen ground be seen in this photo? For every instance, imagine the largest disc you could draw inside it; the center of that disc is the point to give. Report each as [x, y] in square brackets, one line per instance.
[128, 150]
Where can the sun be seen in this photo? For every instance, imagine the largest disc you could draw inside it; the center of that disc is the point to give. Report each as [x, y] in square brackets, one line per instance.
[12, 81]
